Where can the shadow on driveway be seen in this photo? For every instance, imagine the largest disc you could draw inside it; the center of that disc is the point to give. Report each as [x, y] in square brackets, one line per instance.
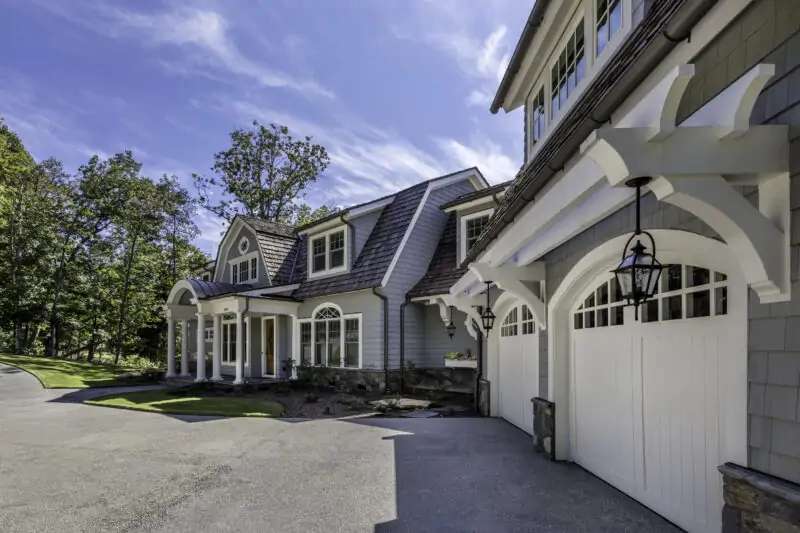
[481, 475]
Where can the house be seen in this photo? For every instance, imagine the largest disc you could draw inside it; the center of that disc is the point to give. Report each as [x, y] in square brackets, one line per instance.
[687, 402]
[333, 293]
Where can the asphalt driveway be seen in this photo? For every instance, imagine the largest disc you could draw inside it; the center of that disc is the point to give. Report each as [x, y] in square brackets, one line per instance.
[69, 467]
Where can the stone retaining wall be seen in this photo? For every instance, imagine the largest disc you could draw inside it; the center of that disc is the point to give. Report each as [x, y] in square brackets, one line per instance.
[758, 503]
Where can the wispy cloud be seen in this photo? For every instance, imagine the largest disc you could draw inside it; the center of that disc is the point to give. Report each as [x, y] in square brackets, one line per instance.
[204, 35]
[368, 162]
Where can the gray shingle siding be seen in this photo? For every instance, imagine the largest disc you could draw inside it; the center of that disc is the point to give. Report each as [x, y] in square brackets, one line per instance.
[767, 32]
[413, 263]
[438, 343]
[371, 309]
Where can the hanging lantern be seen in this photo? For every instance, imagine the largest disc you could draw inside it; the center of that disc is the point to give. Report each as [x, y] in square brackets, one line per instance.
[638, 273]
[487, 317]
[451, 328]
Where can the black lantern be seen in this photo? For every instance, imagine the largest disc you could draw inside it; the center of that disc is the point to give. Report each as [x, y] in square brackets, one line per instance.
[638, 273]
[451, 328]
[487, 317]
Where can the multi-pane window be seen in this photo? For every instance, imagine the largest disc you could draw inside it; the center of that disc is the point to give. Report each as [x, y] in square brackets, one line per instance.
[609, 21]
[318, 249]
[537, 117]
[527, 321]
[474, 228]
[253, 268]
[509, 327]
[683, 292]
[568, 71]
[305, 342]
[328, 252]
[337, 249]
[330, 347]
[352, 340]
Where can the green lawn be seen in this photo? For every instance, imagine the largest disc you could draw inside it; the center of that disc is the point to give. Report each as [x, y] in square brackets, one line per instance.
[158, 401]
[60, 374]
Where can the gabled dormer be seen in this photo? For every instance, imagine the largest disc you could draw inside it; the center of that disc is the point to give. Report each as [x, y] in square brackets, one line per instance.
[472, 213]
[562, 48]
[256, 253]
[333, 243]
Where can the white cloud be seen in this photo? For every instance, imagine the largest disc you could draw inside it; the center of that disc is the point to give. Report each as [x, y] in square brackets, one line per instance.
[204, 35]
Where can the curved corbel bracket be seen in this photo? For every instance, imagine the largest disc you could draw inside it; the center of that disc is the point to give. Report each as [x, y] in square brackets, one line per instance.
[607, 156]
[760, 247]
[658, 110]
[470, 325]
[730, 110]
[443, 311]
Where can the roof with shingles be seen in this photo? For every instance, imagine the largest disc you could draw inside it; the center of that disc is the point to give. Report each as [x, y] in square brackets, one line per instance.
[443, 270]
[376, 255]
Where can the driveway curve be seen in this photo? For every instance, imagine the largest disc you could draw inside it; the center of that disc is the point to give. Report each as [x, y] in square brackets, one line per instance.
[69, 467]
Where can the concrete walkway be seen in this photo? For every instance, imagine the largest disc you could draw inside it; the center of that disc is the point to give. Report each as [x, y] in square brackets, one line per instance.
[69, 467]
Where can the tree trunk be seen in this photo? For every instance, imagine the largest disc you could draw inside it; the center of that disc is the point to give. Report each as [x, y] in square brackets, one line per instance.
[124, 303]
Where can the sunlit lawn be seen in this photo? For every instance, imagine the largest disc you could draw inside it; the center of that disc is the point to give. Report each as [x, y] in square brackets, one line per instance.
[159, 401]
[61, 374]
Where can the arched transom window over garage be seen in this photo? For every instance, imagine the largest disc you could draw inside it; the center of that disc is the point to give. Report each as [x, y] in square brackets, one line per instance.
[518, 321]
[684, 292]
[331, 338]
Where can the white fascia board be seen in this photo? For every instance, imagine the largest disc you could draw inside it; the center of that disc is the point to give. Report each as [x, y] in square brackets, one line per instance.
[488, 199]
[270, 290]
[322, 226]
[368, 208]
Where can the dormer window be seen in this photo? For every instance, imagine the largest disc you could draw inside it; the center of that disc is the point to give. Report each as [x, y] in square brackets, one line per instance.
[245, 269]
[328, 252]
[609, 21]
[537, 117]
[244, 245]
[472, 226]
[568, 70]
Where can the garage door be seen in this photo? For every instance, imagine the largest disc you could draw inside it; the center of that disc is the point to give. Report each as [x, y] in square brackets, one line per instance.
[650, 396]
[518, 364]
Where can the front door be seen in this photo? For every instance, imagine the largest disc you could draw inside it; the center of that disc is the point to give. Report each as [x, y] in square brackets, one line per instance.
[268, 344]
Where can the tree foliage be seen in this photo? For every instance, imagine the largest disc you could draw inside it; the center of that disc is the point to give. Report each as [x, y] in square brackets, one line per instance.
[89, 257]
[265, 173]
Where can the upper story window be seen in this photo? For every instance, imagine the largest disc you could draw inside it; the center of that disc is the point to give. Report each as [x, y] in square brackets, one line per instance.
[244, 245]
[609, 21]
[328, 252]
[244, 269]
[472, 226]
[206, 276]
[568, 70]
[537, 117]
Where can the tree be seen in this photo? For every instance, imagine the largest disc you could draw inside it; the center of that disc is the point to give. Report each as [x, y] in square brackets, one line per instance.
[303, 214]
[264, 174]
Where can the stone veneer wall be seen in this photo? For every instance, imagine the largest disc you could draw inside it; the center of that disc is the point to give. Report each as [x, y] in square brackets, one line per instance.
[758, 503]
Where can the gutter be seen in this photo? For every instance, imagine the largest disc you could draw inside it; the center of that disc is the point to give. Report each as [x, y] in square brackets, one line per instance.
[385, 336]
[528, 33]
[403, 343]
[677, 29]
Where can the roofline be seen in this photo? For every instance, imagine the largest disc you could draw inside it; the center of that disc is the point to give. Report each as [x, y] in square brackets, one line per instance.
[471, 197]
[679, 17]
[528, 33]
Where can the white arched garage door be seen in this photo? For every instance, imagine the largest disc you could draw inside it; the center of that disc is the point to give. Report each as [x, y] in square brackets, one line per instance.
[518, 361]
[654, 400]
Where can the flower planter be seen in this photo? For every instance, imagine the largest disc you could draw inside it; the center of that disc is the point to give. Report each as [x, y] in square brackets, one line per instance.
[461, 363]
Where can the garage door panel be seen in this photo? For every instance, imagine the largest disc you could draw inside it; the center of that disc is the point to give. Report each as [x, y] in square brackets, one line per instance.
[658, 401]
[603, 395]
[518, 360]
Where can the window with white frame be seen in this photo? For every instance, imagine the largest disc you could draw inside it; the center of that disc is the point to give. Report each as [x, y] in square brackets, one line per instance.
[537, 117]
[527, 321]
[331, 339]
[568, 70]
[472, 226]
[244, 269]
[206, 276]
[328, 252]
[509, 326]
[609, 21]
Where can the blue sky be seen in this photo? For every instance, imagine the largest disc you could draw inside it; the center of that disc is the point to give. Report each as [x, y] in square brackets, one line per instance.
[397, 90]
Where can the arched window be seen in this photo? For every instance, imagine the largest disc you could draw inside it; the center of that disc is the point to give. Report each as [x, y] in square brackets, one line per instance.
[684, 291]
[509, 327]
[518, 321]
[331, 339]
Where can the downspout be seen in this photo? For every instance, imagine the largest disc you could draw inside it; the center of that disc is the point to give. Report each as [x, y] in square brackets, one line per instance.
[403, 343]
[385, 336]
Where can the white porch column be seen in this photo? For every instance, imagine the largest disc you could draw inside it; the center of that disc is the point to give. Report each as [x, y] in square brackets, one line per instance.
[170, 348]
[217, 347]
[248, 345]
[201, 347]
[185, 348]
[239, 350]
